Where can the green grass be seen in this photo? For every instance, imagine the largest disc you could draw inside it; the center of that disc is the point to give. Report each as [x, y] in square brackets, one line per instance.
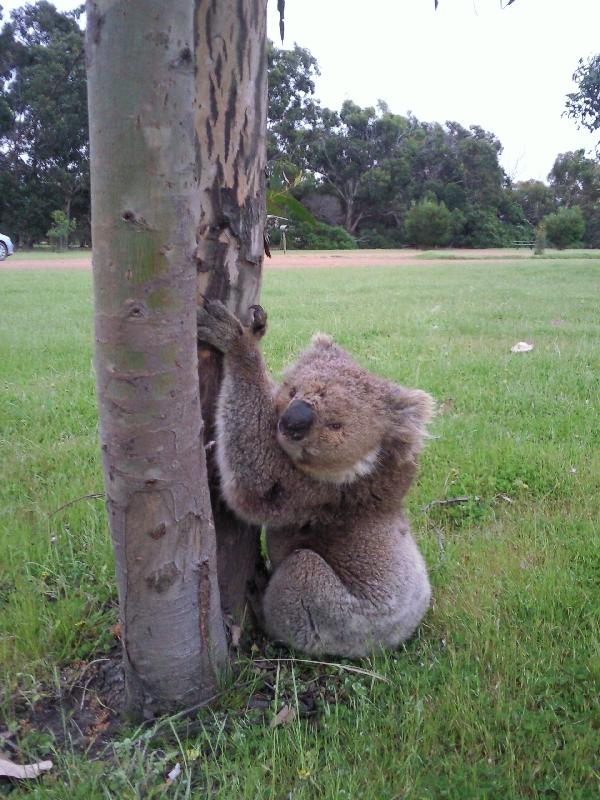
[497, 697]
[47, 254]
[503, 255]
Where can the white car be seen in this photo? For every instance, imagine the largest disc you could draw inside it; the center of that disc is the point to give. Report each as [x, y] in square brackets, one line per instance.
[6, 247]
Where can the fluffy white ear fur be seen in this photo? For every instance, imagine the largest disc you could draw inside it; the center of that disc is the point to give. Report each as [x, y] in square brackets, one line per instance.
[411, 411]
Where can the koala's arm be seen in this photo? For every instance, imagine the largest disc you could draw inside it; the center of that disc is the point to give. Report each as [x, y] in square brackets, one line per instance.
[258, 480]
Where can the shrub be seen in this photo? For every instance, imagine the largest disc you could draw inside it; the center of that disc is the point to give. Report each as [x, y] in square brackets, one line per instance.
[565, 228]
[478, 227]
[61, 229]
[380, 237]
[302, 236]
[429, 224]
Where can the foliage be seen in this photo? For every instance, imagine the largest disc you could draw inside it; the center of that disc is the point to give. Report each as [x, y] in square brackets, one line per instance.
[379, 164]
[575, 181]
[535, 198]
[565, 228]
[498, 687]
[584, 105]
[320, 236]
[352, 154]
[284, 178]
[61, 229]
[293, 110]
[43, 120]
[429, 224]
[380, 237]
[375, 163]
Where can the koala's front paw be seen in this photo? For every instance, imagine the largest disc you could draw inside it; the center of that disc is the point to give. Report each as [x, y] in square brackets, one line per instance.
[217, 326]
[258, 321]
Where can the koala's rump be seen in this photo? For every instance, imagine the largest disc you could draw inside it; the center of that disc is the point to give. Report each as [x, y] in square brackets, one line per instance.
[385, 590]
[376, 559]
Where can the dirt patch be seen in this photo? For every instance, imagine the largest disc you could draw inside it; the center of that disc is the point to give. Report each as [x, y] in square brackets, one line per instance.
[80, 264]
[306, 259]
[83, 711]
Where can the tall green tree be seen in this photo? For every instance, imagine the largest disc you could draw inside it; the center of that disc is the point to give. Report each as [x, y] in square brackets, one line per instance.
[575, 181]
[293, 112]
[351, 155]
[43, 118]
[535, 198]
[584, 104]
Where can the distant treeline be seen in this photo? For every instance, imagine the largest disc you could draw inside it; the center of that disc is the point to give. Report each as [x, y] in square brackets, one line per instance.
[356, 177]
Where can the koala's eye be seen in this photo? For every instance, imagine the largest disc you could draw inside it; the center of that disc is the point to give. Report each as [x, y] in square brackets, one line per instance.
[335, 426]
[293, 391]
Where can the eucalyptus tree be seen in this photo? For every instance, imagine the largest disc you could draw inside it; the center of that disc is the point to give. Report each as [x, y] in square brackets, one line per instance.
[177, 99]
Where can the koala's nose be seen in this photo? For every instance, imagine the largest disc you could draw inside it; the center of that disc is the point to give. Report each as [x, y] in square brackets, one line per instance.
[297, 420]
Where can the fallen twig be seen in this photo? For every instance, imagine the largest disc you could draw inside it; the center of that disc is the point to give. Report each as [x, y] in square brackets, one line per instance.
[367, 673]
[93, 496]
[452, 501]
[504, 497]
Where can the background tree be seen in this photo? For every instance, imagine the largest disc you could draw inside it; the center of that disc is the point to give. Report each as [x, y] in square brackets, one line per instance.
[575, 181]
[584, 104]
[361, 168]
[43, 120]
[293, 112]
[351, 156]
[535, 198]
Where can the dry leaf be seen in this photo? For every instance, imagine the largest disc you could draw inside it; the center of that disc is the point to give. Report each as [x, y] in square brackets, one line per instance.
[447, 406]
[23, 771]
[506, 498]
[521, 347]
[116, 630]
[283, 717]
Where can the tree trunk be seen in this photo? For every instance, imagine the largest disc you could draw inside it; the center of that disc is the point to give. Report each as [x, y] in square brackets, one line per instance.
[231, 123]
[146, 208]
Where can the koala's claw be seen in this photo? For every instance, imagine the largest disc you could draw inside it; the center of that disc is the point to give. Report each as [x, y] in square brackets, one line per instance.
[258, 323]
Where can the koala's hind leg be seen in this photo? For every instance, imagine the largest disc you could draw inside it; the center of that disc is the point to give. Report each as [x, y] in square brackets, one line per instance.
[307, 607]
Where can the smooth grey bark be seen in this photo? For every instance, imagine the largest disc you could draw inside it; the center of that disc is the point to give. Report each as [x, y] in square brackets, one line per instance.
[146, 208]
[231, 124]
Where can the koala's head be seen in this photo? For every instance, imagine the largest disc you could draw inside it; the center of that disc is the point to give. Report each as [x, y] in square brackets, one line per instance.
[335, 419]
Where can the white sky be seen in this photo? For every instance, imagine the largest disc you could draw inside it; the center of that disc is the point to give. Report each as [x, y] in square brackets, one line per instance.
[506, 70]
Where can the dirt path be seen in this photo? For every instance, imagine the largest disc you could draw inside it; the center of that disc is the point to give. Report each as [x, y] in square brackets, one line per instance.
[300, 259]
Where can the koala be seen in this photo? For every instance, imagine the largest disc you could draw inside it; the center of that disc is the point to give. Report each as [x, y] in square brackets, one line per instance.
[323, 461]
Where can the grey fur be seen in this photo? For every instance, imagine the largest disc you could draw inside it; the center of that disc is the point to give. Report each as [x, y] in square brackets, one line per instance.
[348, 576]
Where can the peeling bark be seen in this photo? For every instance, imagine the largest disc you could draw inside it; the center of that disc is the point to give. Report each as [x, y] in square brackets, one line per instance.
[147, 191]
[231, 130]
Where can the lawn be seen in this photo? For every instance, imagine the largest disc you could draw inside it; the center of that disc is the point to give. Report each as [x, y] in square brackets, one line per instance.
[497, 696]
[47, 254]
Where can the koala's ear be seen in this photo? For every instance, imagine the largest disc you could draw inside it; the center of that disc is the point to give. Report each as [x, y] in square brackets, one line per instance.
[409, 410]
[321, 341]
